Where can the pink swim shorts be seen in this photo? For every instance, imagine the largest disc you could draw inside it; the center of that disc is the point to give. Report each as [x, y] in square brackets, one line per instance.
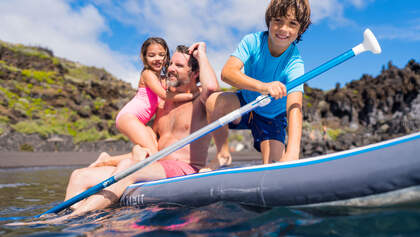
[174, 168]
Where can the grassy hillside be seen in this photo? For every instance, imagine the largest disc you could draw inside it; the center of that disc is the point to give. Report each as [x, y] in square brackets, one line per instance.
[45, 95]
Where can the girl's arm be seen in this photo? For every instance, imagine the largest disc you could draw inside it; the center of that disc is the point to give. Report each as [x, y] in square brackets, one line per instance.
[180, 96]
[152, 81]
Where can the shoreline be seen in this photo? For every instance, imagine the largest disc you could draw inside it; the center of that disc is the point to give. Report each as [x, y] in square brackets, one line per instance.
[57, 159]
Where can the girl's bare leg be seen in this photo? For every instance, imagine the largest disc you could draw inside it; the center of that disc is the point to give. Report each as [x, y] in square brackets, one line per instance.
[137, 132]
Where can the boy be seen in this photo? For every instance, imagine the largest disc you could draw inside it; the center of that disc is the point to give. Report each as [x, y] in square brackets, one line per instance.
[270, 60]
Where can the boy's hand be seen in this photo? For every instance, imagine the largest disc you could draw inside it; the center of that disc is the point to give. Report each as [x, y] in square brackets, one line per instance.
[276, 89]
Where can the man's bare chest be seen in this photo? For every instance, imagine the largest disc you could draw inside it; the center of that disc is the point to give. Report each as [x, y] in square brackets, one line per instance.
[178, 119]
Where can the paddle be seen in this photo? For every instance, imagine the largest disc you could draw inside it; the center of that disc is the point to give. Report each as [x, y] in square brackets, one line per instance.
[369, 44]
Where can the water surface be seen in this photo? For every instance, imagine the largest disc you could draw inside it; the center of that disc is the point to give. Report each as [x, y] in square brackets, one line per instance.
[31, 191]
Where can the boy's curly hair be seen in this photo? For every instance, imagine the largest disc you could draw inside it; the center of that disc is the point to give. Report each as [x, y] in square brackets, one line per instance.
[301, 8]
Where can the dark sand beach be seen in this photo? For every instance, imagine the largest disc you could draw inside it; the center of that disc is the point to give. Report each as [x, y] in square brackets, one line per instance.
[42, 159]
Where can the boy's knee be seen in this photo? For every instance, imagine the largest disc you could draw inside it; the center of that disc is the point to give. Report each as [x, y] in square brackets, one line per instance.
[219, 103]
[211, 102]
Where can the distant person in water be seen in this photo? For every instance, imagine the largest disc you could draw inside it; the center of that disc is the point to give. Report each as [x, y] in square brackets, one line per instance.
[133, 118]
[263, 63]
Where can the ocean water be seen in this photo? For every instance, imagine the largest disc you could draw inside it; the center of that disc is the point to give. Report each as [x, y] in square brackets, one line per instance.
[31, 191]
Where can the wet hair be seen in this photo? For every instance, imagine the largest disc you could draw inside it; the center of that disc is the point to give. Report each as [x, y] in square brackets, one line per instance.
[280, 8]
[143, 52]
[192, 62]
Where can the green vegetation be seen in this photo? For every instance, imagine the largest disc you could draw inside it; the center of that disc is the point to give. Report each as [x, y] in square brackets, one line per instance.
[236, 137]
[26, 105]
[47, 102]
[53, 120]
[59, 122]
[81, 72]
[307, 126]
[40, 76]
[28, 51]
[23, 87]
[26, 147]
[34, 126]
[9, 96]
[8, 67]
[334, 133]
[91, 135]
[99, 103]
[228, 89]
[56, 61]
[4, 119]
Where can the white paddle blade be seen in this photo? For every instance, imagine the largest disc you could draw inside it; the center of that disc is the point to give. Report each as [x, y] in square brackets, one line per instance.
[369, 44]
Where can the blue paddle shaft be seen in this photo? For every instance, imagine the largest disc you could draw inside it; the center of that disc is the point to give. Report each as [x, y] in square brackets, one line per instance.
[81, 196]
[260, 101]
[321, 69]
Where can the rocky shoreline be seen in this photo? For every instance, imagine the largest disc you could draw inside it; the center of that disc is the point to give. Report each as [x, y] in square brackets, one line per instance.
[49, 104]
[15, 141]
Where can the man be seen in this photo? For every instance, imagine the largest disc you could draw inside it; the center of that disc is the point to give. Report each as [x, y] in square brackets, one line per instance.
[174, 121]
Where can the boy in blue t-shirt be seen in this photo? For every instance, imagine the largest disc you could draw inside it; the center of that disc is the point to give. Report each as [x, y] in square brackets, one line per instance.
[269, 60]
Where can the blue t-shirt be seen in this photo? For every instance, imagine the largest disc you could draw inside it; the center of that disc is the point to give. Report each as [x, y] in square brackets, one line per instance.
[261, 65]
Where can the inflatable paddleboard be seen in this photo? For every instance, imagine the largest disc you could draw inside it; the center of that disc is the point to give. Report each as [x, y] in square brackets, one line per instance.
[385, 173]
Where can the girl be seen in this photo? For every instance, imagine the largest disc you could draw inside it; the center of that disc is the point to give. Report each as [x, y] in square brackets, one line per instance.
[133, 117]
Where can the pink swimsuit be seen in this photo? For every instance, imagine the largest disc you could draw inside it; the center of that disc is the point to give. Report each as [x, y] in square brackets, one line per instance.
[143, 105]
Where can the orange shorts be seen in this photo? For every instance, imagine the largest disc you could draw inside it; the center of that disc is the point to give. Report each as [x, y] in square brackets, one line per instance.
[174, 168]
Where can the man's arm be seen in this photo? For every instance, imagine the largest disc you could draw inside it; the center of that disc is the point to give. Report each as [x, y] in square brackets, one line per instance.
[208, 79]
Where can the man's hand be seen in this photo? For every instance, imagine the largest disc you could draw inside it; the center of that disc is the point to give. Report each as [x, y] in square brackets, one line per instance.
[197, 50]
[206, 75]
[276, 89]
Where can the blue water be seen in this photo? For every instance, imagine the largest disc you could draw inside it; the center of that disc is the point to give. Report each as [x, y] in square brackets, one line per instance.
[28, 192]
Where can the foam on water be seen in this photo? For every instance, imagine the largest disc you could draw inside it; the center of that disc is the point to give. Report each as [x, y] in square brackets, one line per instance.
[12, 185]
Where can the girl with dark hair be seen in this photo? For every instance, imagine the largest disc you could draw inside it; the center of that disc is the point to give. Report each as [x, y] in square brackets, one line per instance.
[133, 118]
